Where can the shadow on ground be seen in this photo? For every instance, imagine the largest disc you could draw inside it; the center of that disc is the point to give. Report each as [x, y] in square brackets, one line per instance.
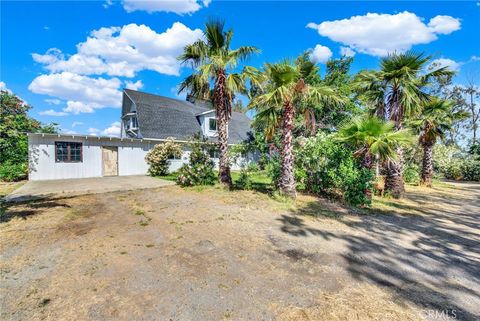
[23, 210]
[430, 260]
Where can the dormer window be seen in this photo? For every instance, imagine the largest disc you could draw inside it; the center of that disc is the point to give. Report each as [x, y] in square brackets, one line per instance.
[134, 122]
[212, 124]
[130, 121]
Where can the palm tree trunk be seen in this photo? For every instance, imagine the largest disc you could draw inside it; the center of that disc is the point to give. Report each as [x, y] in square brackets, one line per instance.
[427, 166]
[287, 179]
[221, 106]
[394, 184]
[367, 163]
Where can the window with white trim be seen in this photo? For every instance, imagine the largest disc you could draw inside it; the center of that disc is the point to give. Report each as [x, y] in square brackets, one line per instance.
[212, 124]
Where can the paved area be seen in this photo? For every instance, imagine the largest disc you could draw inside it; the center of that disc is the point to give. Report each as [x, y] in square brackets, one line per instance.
[72, 187]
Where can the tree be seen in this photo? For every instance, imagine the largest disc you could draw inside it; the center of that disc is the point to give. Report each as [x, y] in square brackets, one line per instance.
[214, 64]
[14, 124]
[437, 118]
[396, 92]
[238, 106]
[285, 91]
[373, 139]
[472, 93]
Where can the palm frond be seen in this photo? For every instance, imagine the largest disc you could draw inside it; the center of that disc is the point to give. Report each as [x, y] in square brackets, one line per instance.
[195, 53]
[215, 35]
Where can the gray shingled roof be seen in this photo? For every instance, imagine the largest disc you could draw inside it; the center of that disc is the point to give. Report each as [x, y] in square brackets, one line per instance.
[162, 117]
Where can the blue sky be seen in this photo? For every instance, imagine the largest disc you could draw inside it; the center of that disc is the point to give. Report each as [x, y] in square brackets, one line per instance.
[70, 60]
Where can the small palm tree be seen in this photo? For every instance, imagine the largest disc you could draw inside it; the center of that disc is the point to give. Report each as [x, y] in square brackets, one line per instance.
[397, 92]
[285, 89]
[373, 139]
[215, 64]
[436, 118]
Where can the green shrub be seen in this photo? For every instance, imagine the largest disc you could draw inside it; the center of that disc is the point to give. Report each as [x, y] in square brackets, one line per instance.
[253, 167]
[11, 172]
[273, 168]
[200, 169]
[452, 169]
[244, 181]
[444, 156]
[324, 166]
[411, 174]
[474, 150]
[470, 170]
[158, 157]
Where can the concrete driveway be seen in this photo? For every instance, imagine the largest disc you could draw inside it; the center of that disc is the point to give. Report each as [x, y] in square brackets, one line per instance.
[71, 187]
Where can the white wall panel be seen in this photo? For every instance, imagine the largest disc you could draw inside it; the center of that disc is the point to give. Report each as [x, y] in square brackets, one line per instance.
[131, 157]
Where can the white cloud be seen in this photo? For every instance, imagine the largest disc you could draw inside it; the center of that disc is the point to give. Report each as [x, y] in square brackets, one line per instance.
[3, 87]
[51, 56]
[320, 54]
[76, 123]
[347, 51]
[444, 24]
[380, 34]
[474, 58]
[83, 94]
[180, 7]
[68, 132]
[107, 3]
[113, 130]
[134, 85]
[93, 131]
[124, 51]
[51, 112]
[445, 62]
[53, 101]
[78, 107]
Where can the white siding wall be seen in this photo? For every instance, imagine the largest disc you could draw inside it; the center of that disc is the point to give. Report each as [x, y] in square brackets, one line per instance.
[131, 158]
[42, 160]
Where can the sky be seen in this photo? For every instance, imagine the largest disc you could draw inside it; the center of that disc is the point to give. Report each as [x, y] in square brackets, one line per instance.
[71, 60]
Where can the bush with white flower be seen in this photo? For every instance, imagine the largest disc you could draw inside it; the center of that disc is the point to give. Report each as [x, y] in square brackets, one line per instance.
[158, 157]
[200, 169]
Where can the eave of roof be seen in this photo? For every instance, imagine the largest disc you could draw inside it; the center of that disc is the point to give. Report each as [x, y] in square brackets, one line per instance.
[107, 138]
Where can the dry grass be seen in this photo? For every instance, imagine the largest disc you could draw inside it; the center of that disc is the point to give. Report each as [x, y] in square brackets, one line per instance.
[204, 254]
[421, 200]
[8, 187]
[360, 303]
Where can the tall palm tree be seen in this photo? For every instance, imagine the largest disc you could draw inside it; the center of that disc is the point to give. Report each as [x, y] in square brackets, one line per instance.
[397, 92]
[285, 89]
[373, 139]
[215, 78]
[436, 118]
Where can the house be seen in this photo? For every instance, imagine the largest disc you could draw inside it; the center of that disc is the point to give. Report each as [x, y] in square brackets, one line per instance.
[146, 120]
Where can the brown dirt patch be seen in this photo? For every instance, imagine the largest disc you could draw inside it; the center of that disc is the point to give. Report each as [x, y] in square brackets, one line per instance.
[210, 254]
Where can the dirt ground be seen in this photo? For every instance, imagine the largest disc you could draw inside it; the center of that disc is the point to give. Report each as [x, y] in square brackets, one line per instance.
[209, 254]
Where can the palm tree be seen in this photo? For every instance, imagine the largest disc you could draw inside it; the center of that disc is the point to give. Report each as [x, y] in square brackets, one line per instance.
[285, 90]
[397, 92]
[373, 139]
[215, 64]
[436, 118]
